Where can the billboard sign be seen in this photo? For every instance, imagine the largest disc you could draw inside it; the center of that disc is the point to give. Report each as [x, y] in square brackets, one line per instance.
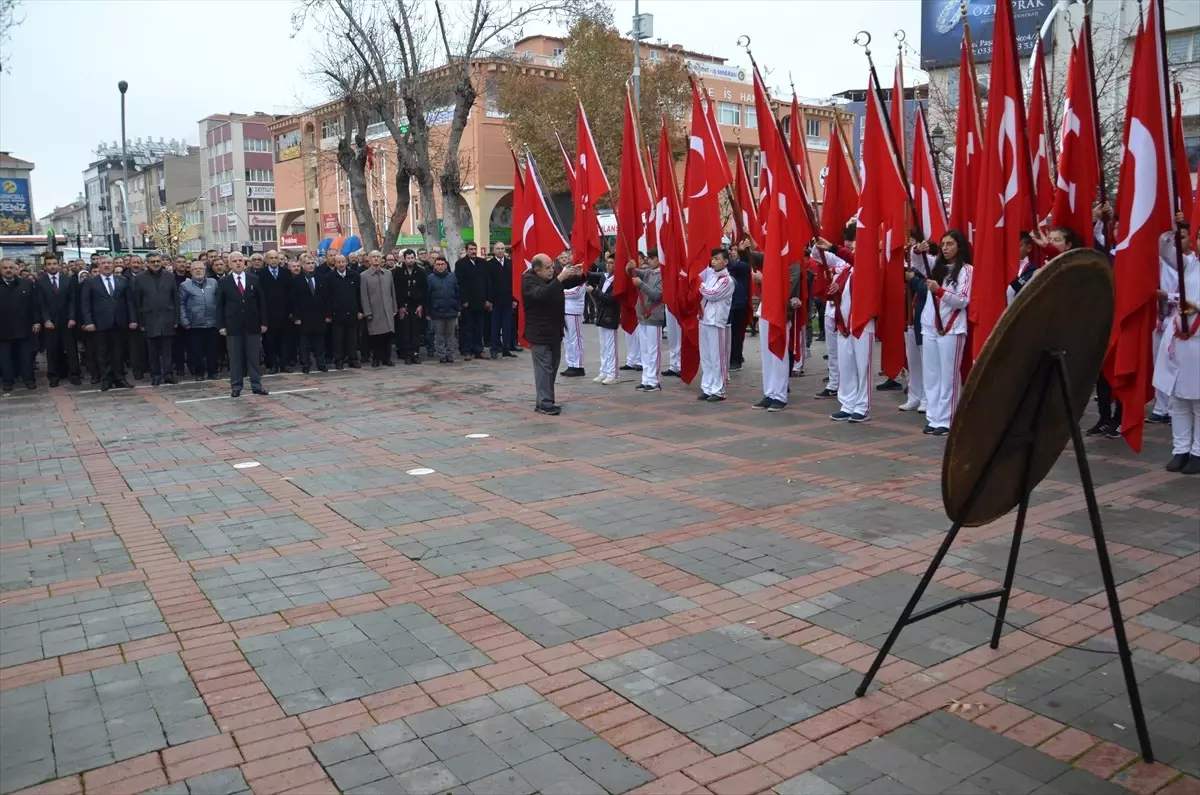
[14, 207]
[330, 225]
[717, 71]
[257, 219]
[260, 191]
[294, 241]
[942, 30]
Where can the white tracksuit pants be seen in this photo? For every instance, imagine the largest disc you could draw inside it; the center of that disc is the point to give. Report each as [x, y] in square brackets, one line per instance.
[1162, 401]
[633, 349]
[650, 340]
[714, 359]
[774, 369]
[942, 359]
[854, 365]
[916, 367]
[608, 352]
[674, 343]
[831, 345]
[1185, 426]
[573, 341]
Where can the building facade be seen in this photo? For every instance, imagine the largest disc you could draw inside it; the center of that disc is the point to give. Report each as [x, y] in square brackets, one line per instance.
[237, 180]
[16, 195]
[68, 221]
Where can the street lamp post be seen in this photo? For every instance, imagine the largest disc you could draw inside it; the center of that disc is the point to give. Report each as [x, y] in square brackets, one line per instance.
[123, 87]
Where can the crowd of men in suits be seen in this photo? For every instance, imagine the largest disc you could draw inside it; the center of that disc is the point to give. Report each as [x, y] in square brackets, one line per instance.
[164, 317]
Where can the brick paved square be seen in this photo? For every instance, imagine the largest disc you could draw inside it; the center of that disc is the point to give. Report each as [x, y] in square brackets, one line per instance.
[825, 429]
[35, 492]
[538, 486]
[1173, 494]
[88, 720]
[484, 545]
[747, 560]
[576, 602]
[510, 742]
[259, 425]
[1086, 690]
[377, 513]
[1103, 471]
[273, 441]
[77, 621]
[867, 610]
[587, 447]
[309, 459]
[269, 586]
[140, 480]
[758, 491]
[229, 781]
[1178, 616]
[766, 448]
[628, 517]
[1137, 527]
[380, 424]
[1066, 573]
[44, 468]
[476, 462]
[876, 521]
[230, 536]
[136, 435]
[344, 658]
[70, 560]
[957, 758]
[663, 467]
[343, 481]
[687, 432]
[727, 687]
[160, 454]
[867, 469]
[229, 496]
[57, 522]
[25, 451]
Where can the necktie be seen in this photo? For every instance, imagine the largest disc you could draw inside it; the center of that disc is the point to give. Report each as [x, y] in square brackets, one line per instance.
[108, 284]
[54, 281]
[241, 289]
[312, 284]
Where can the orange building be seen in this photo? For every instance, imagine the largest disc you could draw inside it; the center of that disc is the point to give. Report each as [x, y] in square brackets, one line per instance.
[312, 193]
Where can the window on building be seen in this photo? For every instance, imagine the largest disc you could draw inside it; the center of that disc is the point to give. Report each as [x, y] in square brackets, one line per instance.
[259, 175]
[751, 159]
[812, 128]
[261, 234]
[654, 56]
[261, 205]
[287, 140]
[1183, 47]
[729, 113]
[331, 128]
[557, 51]
[751, 117]
[256, 145]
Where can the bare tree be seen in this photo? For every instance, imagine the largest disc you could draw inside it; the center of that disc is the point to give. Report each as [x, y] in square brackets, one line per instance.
[8, 21]
[417, 63]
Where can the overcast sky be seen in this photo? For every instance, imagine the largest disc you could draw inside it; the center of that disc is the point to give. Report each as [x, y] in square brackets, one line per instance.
[185, 59]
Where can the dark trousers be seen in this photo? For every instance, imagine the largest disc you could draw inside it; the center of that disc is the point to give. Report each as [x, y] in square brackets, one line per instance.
[179, 349]
[410, 331]
[345, 343]
[291, 345]
[110, 346]
[545, 369]
[364, 341]
[203, 344]
[62, 354]
[16, 360]
[429, 336]
[159, 349]
[1105, 402]
[502, 328]
[737, 325]
[516, 324]
[89, 356]
[135, 342]
[312, 343]
[243, 359]
[470, 331]
[272, 348]
[381, 348]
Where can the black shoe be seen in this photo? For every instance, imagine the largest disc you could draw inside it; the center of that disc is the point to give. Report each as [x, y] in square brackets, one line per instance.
[197, 379]
[103, 387]
[1098, 429]
[637, 367]
[389, 363]
[355, 366]
[1192, 467]
[840, 416]
[940, 431]
[670, 373]
[338, 366]
[1113, 431]
[702, 396]
[122, 385]
[139, 376]
[375, 364]
[628, 367]
[550, 411]
[516, 349]
[715, 398]
[1178, 462]
[155, 382]
[856, 417]
[928, 429]
[169, 379]
[826, 393]
[304, 370]
[95, 381]
[31, 385]
[235, 393]
[285, 369]
[259, 391]
[641, 388]
[889, 385]
[76, 380]
[1158, 419]
[765, 403]
[54, 383]
[321, 368]
[735, 368]
[655, 388]
[509, 355]
[777, 405]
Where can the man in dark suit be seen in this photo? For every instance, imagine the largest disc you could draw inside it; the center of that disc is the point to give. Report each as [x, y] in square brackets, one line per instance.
[500, 301]
[411, 290]
[241, 320]
[310, 314]
[345, 310]
[106, 309]
[56, 300]
[274, 281]
[19, 326]
[156, 299]
[471, 273]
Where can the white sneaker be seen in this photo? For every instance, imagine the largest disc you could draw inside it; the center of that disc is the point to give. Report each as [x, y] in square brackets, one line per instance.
[910, 405]
[610, 381]
[921, 408]
[598, 379]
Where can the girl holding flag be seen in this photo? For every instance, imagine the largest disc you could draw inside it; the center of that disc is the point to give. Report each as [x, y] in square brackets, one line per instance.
[944, 329]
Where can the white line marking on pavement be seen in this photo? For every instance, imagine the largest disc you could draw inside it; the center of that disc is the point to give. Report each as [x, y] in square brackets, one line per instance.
[228, 397]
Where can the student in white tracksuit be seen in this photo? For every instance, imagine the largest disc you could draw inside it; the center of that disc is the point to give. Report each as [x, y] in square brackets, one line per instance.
[944, 330]
[854, 352]
[716, 298]
[1168, 285]
[674, 346]
[918, 269]
[846, 254]
[1177, 364]
[608, 321]
[575, 297]
[651, 314]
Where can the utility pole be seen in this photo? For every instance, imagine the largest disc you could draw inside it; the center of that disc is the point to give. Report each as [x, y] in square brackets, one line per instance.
[123, 87]
[637, 58]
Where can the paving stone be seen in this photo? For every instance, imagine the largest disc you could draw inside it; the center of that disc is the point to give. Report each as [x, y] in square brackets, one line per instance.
[77, 621]
[482, 545]
[57, 522]
[269, 586]
[227, 497]
[867, 469]
[342, 481]
[575, 602]
[627, 517]
[589, 447]
[231, 536]
[1137, 527]
[663, 467]
[757, 491]
[37, 492]
[766, 448]
[219, 782]
[345, 658]
[539, 486]
[140, 480]
[70, 560]
[309, 459]
[89, 720]
[378, 513]
[159, 454]
[807, 783]
[876, 521]
[747, 560]
[45, 468]
[476, 462]
[1178, 616]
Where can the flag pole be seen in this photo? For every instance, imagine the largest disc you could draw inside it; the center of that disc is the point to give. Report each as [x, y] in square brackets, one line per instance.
[887, 126]
[1086, 34]
[962, 6]
[1176, 206]
[531, 166]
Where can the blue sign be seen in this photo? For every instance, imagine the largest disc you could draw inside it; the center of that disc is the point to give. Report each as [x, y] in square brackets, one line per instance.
[942, 29]
[14, 207]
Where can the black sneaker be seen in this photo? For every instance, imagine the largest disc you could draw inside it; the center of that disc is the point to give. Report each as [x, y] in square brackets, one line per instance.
[940, 431]
[1178, 462]
[777, 405]
[840, 416]
[735, 368]
[641, 388]
[765, 403]
[1098, 429]
[702, 396]
[715, 398]
[1113, 431]
[856, 417]
[928, 429]
[826, 393]
[628, 367]
[890, 385]
[1192, 467]
[1158, 419]
[655, 388]
[670, 373]
[550, 411]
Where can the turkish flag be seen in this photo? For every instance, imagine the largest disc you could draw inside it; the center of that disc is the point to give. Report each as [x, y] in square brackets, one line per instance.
[520, 263]
[1005, 202]
[591, 185]
[568, 165]
[1144, 205]
[896, 107]
[1183, 178]
[703, 181]
[1040, 154]
[634, 207]
[745, 218]
[673, 253]
[926, 190]
[1079, 150]
[878, 281]
[798, 145]
[715, 132]
[968, 145]
[841, 199]
[540, 235]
